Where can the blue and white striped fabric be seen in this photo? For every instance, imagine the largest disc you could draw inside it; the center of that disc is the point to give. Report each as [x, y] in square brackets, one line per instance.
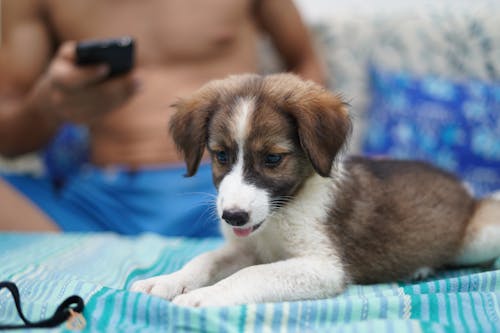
[101, 267]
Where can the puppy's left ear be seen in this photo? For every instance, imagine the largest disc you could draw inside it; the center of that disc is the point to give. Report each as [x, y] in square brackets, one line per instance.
[322, 119]
[189, 125]
[324, 128]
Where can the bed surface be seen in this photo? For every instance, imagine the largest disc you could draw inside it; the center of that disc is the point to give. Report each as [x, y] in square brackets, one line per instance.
[100, 268]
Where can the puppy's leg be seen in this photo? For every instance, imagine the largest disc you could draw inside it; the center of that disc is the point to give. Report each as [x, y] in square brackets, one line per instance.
[203, 270]
[292, 279]
[482, 237]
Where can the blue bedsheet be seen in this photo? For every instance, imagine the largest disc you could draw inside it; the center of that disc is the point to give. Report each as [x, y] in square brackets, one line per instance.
[101, 267]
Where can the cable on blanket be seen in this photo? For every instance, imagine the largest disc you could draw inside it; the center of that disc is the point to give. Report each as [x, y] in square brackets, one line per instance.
[70, 310]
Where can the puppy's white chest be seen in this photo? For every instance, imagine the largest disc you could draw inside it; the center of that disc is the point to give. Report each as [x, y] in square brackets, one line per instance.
[292, 238]
[273, 245]
[300, 228]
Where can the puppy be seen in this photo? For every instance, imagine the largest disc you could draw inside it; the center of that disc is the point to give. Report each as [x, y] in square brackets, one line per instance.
[300, 220]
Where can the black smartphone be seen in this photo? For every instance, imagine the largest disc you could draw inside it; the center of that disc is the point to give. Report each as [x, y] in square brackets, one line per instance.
[117, 53]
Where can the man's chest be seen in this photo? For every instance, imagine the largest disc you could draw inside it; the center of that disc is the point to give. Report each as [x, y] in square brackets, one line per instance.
[163, 29]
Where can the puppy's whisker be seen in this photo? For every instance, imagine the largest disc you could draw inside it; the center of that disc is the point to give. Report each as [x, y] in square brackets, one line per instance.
[202, 204]
[283, 198]
[212, 215]
[280, 202]
[204, 194]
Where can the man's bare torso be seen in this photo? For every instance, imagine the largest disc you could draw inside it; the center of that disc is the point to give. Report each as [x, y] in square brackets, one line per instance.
[181, 44]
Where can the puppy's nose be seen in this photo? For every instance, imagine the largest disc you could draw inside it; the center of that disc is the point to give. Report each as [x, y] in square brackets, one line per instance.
[235, 217]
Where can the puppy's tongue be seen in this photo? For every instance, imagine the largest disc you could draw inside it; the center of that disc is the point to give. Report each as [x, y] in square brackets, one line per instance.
[242, 232]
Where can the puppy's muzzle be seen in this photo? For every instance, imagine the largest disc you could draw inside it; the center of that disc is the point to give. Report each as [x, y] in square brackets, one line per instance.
[236, 217]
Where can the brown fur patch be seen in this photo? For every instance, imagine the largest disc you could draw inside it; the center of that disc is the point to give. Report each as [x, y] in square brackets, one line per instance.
[393, 217]
[188, 126]
[321, 119]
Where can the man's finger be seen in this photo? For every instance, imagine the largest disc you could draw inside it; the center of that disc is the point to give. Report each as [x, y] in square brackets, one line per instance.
[69, 76]
[119, 89]
[67, 51]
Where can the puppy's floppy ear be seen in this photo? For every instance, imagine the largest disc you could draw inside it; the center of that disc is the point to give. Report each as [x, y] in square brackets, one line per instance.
[324, 128]
[189, 124]
[322, 118]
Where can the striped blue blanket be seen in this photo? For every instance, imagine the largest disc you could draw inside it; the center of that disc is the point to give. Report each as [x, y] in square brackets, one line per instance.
[101, 267]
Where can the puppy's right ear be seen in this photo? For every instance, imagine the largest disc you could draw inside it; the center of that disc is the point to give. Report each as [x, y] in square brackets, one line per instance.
[189, 125]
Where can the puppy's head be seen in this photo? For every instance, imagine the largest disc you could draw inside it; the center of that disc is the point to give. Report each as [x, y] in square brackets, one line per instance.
[265, 135]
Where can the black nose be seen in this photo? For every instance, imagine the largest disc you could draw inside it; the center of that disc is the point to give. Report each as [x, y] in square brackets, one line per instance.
[235, 217]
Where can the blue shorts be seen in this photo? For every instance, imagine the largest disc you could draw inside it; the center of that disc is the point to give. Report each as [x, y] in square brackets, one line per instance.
[128, 202]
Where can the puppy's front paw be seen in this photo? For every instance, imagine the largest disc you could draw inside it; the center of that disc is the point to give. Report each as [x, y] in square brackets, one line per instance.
[165, 286]
[207, 296]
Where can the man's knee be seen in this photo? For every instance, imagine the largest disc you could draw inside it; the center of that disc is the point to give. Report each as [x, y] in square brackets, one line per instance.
[19, 213]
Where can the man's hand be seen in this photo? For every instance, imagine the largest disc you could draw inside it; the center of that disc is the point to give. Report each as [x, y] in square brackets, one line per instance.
[80, 94]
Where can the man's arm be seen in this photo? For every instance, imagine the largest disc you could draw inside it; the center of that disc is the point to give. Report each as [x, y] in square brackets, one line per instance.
[39, 93]
[281, 20]
[24, 53]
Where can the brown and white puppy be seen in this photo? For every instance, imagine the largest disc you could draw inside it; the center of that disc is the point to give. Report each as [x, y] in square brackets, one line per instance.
[301, 221]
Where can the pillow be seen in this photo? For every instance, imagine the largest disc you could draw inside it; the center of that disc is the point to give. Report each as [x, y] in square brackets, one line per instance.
[454, 125]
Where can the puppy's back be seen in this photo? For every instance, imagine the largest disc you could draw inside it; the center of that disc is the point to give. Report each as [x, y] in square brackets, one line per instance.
[392, 218]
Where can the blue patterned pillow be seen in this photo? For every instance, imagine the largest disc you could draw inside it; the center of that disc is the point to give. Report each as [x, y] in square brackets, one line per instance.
[453, 125]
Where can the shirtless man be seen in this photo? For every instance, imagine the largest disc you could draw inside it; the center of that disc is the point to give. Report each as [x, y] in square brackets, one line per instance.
[181, 44]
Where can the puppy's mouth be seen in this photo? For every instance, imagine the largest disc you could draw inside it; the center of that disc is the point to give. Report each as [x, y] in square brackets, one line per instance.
[245, 232]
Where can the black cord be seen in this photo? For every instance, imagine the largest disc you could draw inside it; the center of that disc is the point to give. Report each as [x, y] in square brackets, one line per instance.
[63, 312]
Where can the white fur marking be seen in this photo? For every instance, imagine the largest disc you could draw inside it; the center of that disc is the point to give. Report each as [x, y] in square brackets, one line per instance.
[292, 279]
[483, 247]
[422, 273]
[242, 119]
[234, 192]
[299, 228]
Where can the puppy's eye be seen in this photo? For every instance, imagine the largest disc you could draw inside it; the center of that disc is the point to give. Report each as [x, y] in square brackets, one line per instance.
[221, 157]
[272, 160]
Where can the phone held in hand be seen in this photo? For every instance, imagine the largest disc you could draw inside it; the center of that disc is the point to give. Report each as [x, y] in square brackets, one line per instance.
[117, 53]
